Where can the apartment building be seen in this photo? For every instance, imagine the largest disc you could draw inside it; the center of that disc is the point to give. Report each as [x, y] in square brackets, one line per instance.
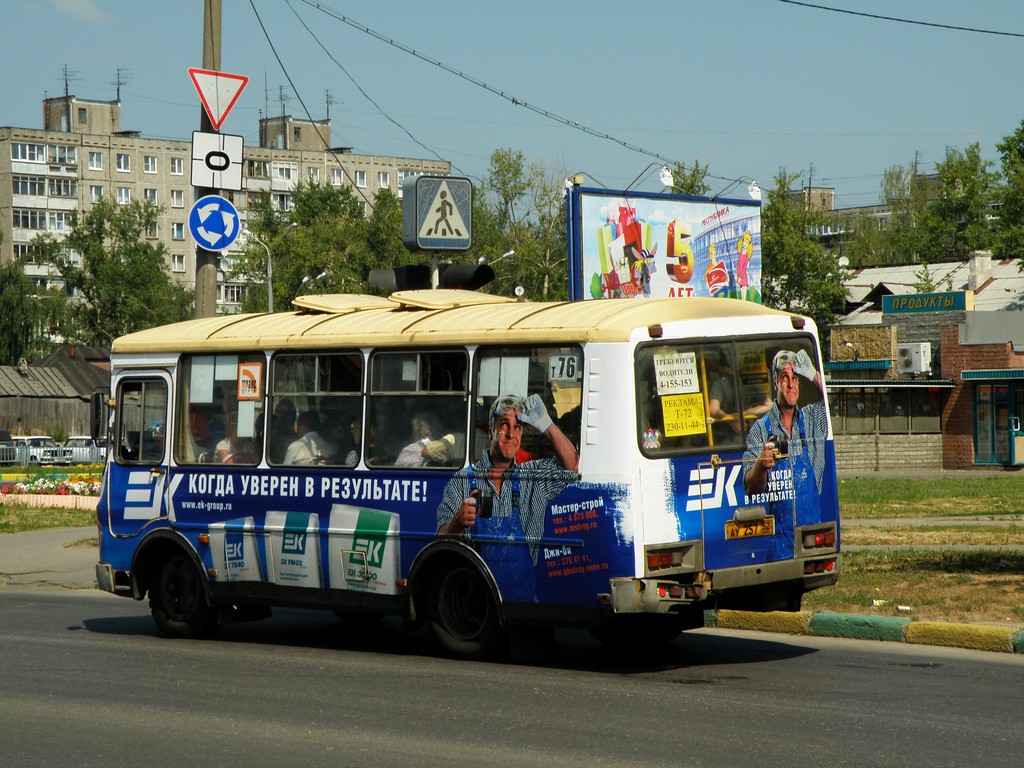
[82, 155]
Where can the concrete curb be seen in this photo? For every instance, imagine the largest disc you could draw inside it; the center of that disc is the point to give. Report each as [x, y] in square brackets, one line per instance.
[855, 627]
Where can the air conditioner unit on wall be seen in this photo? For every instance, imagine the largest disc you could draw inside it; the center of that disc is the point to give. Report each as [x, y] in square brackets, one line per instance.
[914, 358]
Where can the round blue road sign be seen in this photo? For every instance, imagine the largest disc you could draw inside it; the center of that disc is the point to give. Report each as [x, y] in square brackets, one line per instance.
[213, 222]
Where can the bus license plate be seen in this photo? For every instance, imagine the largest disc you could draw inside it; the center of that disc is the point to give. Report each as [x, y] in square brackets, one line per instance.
[744, 529]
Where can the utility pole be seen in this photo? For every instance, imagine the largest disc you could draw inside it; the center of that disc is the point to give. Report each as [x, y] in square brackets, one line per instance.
[207, 261]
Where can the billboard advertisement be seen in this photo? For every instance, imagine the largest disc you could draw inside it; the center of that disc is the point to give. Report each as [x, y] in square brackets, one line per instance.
[637, 245]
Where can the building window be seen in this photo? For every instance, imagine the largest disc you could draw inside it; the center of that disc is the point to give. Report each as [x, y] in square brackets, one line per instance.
[151, 230]
[149, 164]
[124, 162]
[383, 180]
[336, 177]
[58, 153]
[231, 294]
[177, 166]
[95, 161]
[314, 175]
[285, 171]
[124, 195]
[63, 188]
[60, 221]
[29, 153]
[177, 198]
[83, 117]
[177, 262]
[26, 251]
[361, 179]
[257, 169]
[95, 192]
[28, 185]
[29, 218]
[296, 133]
[252, 199]
[283, 202]
[150, 195]
[178, 230]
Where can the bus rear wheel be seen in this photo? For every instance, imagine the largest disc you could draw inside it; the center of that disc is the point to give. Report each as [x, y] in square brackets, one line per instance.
[178, 600]
[464, 618]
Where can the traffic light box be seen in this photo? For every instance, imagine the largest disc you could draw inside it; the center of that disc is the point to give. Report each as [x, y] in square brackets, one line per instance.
[468, 277]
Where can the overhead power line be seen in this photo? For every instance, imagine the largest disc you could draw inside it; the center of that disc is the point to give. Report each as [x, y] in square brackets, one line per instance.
[882, 17]
[514, 100]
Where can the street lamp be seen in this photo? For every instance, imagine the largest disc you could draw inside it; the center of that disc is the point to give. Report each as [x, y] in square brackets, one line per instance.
[270, 267]
[483, 259]
[308, 279]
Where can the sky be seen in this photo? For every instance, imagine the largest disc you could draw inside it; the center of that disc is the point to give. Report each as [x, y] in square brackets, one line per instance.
[610, 90]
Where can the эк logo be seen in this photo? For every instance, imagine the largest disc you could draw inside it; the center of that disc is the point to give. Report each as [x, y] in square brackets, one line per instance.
[708, 485]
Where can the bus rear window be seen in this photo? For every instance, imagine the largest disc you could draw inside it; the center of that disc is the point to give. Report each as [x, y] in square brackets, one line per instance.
[704, 396]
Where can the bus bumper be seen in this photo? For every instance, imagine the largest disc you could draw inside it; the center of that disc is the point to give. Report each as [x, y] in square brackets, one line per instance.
[630, 595]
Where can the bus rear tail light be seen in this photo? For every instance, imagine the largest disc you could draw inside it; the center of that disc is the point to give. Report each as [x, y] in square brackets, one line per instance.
[819, 539]
[819, 566]
[656, 560]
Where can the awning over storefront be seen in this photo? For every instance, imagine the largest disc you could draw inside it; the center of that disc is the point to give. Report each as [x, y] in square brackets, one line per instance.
[889, 383]
[992, 374]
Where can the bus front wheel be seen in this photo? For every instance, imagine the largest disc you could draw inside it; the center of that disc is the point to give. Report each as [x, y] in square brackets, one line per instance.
[464, 618]
[178, 601]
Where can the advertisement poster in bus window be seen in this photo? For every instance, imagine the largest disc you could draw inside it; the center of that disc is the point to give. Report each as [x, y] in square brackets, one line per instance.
[786, 448]
[643, 245]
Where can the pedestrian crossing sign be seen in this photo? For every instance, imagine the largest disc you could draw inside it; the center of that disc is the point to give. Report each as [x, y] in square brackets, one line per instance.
[437, 213]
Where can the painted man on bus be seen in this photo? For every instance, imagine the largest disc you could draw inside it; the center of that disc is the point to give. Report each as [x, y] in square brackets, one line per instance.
[499, 505]
[785, 454]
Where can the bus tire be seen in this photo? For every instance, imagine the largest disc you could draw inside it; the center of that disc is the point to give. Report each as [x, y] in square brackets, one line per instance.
[464, 617]
[178, 602]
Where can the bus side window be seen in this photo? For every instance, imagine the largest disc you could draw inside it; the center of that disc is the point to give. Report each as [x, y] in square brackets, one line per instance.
[141, 416]
[417, 408]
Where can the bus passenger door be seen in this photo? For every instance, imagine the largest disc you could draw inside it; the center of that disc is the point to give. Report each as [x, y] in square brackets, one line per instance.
[137, 470]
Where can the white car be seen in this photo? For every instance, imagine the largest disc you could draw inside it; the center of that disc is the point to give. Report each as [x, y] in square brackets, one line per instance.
[82, 449]
[40, 449]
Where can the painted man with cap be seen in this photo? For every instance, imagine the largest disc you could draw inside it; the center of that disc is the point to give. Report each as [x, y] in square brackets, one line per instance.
[784, 459]
[498, 505]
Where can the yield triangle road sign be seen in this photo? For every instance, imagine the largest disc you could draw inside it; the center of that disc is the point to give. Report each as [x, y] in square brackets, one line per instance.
[218, 91]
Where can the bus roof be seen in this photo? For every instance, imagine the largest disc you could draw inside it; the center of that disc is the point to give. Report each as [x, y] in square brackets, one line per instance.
[431, 317]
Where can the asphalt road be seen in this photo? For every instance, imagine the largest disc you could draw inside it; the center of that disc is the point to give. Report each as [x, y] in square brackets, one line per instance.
[88, 681]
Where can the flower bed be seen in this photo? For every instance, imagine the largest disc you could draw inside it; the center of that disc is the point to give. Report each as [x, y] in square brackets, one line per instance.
[56, 485]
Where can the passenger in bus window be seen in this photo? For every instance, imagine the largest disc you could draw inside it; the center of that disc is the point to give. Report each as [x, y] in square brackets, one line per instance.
[282, 430]
[234, 449]
[505, 503]
[784, 459]
[310, 448]
[356, 430]
[723, 411]
[414, 454]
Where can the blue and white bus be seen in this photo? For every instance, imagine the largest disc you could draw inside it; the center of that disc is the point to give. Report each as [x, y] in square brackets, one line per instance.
[471, 462]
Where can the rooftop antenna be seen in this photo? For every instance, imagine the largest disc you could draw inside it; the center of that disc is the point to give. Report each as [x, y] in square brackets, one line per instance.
[329, 99]
[121, 77]
[68, 75]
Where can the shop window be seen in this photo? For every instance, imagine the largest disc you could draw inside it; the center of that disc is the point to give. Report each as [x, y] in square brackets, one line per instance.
[893, 411]
[861, 411]
[925, 411]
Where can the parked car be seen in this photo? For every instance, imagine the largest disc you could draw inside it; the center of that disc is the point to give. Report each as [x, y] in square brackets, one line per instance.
[84, 450]
[8, 453]
[40, 449]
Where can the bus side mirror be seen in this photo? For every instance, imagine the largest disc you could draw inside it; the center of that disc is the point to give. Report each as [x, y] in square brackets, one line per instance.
[98, 415]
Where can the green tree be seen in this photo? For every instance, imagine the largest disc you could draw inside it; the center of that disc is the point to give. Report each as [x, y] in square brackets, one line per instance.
[957, 220]
[116, 278]
[522, 208]
[19, 308]
[1010, 224]
[797, 274]
[332, 237]
[690, 181]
